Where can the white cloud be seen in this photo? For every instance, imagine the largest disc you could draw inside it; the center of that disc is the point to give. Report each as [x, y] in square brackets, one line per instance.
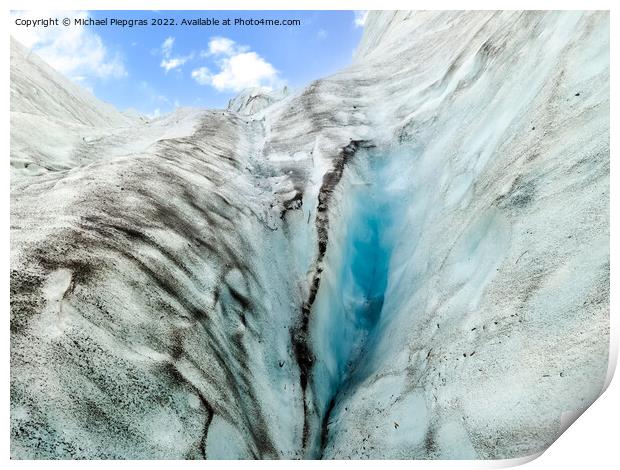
[360, 17]
[239, 68]
[168, 62]
[74, 51]
[244, 70]
[166, 46]
[202, 76]
[223, 46]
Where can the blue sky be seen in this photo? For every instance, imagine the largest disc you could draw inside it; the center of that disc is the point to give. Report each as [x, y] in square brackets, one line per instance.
[153, 69]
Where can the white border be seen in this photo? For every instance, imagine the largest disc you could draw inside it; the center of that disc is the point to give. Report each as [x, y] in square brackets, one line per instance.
[590, 442]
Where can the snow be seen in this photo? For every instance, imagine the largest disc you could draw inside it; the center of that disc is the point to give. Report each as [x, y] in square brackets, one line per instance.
[455, 282]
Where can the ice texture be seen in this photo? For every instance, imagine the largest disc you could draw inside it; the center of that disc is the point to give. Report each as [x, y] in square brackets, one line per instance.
[407, 259]
[253, 100]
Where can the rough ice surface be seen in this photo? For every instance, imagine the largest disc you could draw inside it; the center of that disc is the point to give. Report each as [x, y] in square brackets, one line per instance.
[252, 100]
[407, 259]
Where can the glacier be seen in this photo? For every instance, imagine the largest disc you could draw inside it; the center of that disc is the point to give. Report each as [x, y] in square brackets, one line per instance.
[407, 259]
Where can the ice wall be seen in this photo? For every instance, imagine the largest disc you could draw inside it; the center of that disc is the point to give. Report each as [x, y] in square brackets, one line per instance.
[407, 259]
[476, 351]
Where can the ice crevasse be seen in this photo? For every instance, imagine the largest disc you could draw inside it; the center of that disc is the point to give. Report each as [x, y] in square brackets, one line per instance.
[406, 259]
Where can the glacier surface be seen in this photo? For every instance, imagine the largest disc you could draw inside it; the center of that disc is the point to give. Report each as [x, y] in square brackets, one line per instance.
[407, 259]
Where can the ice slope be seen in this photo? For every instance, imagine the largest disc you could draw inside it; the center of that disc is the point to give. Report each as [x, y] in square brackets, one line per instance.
[252, 100]
[56, 125]
[408, 259]
[52, 117]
